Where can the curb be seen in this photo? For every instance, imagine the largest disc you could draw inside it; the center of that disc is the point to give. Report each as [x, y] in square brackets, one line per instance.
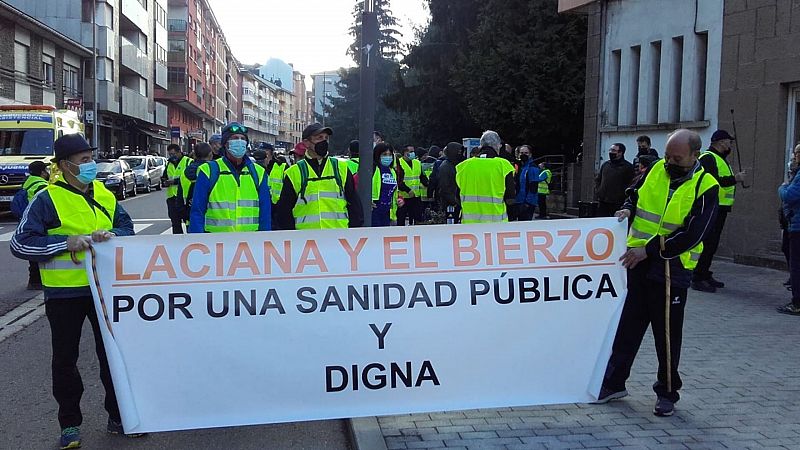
[366, 434]
[20, 317]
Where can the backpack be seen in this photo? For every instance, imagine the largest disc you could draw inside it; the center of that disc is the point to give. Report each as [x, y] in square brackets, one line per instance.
[20, 201]
[303, 166]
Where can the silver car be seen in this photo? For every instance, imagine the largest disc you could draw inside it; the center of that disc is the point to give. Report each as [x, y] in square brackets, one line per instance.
[148, 174]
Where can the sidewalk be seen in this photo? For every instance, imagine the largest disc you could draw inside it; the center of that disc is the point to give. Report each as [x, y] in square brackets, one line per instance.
[741, 375]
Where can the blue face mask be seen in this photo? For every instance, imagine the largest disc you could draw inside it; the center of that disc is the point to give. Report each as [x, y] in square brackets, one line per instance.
[87, 172]
[412, 155]
[386, 161]
[237, 148]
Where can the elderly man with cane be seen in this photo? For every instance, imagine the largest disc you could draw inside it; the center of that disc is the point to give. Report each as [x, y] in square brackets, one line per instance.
[670, 210]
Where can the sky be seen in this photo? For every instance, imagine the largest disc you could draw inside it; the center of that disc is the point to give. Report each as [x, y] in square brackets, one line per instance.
[311, 34]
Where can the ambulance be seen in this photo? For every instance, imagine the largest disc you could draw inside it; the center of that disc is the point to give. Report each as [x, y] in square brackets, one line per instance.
[27, 133]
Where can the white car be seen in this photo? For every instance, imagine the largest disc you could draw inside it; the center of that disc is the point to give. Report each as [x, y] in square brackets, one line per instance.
[148, 174]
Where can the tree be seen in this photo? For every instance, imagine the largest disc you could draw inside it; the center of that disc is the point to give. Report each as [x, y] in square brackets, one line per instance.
[523, 73]
[342, 114]
[437, 112]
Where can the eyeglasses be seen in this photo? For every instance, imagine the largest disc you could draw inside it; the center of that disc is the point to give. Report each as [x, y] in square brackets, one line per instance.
[236, 129]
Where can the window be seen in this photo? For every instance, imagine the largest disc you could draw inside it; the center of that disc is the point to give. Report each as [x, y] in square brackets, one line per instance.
[700, 75]
[612, 108]
[633, 85]
[70, 81]
[86, 11]
[676, 82]
[47, 71]
[21, 57]
[177, 45]
[655, 82]
[161, 54]
[176, 75]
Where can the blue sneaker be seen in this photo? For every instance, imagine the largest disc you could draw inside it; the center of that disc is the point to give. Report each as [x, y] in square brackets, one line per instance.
[70, 438]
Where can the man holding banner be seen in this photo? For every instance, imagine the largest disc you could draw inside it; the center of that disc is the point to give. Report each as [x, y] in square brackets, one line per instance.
[61, 223]
[671, 210]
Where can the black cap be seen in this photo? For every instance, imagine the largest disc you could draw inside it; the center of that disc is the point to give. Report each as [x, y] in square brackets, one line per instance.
[314, 129]
[260, 155]
[266, 146]
[36, 168]
[720, 135]
[69, 144]
[353, 147]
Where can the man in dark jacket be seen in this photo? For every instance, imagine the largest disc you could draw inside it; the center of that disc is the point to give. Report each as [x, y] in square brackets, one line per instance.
[446, 187]
[615, 176]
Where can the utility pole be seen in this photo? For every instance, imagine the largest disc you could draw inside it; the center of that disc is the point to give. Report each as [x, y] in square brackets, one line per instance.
[366, 122]
[95, 120]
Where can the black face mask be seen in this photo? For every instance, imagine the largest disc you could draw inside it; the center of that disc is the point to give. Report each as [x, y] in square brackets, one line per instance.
[321, 148]
[524, 158]
[675, 171]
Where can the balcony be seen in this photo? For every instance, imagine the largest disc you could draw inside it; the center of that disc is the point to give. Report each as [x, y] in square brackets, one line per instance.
[249, 123]
[177, 57]
[161, 115]
[161, 75]
[249, 98]
[134, 104]
[136, 13]
[133, 58]
[177, 89]
[176, 25]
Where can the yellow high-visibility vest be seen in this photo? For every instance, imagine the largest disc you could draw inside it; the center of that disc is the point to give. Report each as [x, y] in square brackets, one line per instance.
[232, 206]
[544, 186]
[728, 193]
[482, 182]
[321, 202]
[411, 174]
[658, 214]
[77, 217]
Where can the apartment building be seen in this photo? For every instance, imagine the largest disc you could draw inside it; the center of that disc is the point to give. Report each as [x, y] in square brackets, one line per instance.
[259, 106]
[131, 64]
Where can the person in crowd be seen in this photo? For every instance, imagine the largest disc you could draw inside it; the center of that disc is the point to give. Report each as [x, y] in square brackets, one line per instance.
[411, 182]
[446, 187]
[527, 182]
[275, 167]
[715, 163]
[60, 224]
[784, 212]
[670, 212]
[260, 157]
[352, 163]
[231, 193]
[203, 154]
[544, 190]
[38, 176]
[789, 193]
[614, 177]
[176, 164]
[384, 186]
[486, 183]
[215, 141]
[643, 146]
[377, 138]
[318, 191]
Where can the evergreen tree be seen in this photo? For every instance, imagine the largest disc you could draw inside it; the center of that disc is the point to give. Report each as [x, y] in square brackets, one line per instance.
[387, 31]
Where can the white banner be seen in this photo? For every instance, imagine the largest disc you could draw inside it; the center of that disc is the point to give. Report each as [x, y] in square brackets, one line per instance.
[211, 330]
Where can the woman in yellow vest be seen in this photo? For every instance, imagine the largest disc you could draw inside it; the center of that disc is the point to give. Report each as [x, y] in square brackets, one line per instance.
[384, 187]
[59, 225]
[231, 193]
[411, 181]
[676, 202]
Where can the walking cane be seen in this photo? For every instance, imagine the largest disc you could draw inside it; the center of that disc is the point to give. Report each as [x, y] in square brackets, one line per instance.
[738, 155]
[667, 304]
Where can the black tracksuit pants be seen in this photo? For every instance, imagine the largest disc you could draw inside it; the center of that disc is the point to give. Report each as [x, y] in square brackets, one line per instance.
[412, 209]
[710, 245]
[645, 306]
[66, 316]
[174, 215]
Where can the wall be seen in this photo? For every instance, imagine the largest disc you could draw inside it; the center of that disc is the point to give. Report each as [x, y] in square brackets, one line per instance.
[760, 61]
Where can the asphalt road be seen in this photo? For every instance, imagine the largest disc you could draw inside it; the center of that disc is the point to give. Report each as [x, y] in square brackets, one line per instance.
[28, 413]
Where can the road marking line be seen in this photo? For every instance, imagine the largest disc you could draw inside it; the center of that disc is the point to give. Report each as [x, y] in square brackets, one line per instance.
[167, 231]
[7, 236]
[21, 316]
[137, 227]
[150, 220]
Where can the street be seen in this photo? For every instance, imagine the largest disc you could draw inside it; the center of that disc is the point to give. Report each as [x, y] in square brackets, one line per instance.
[29, 420]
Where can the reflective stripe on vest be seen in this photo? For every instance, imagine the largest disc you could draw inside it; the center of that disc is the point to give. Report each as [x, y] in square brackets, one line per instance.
[544, 186]
[324, 206]
[231, 206]
[726, 194]
[658, 215]
[482, 182]
[173, 172]
[275, 181]
[411, 176]
[77, 218]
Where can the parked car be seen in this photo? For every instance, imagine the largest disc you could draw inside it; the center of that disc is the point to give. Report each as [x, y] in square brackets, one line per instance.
[118, 177]
[148, 175]
[161, 164]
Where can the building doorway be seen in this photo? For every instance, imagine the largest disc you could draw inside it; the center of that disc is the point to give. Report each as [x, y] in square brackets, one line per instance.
[792, 123]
